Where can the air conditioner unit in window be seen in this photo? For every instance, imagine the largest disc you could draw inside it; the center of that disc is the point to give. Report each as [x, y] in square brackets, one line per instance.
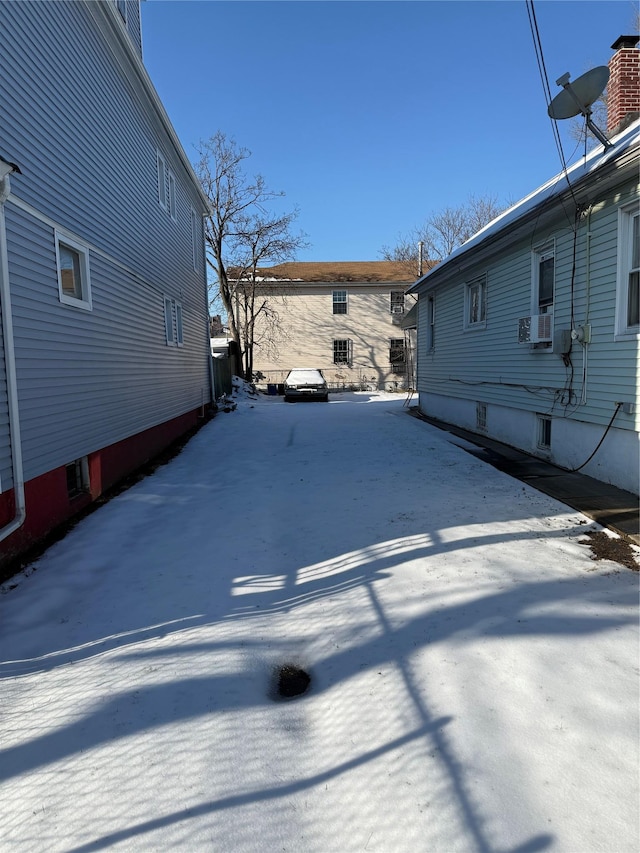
[537, 329]
[397, 309]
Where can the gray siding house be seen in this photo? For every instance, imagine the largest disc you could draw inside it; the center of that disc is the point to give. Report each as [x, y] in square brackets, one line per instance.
[530, 332]
[104, 356]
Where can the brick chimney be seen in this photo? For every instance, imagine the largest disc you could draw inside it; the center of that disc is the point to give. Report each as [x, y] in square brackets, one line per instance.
[623, 91]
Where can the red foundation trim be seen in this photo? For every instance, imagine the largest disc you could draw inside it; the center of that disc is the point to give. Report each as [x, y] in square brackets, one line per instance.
[47, 502]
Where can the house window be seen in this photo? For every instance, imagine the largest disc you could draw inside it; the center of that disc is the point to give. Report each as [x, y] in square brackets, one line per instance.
[73, 272]
[544, 432]
[481, 416]
[122, 8]
[397, 355]
[173, 322]
[195, 238]
[162, 182]
[543, 275]
[475, 302]
[431, 323]
[397, 301]
[628, 291]
[172, 197]
[543, 279]
[342, 352]
[77, 477]
[339, 301]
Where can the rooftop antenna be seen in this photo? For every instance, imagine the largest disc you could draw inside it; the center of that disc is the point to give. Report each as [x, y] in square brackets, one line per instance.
[578, 96]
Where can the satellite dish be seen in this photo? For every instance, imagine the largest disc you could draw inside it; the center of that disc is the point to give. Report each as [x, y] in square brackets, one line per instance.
[578, 96]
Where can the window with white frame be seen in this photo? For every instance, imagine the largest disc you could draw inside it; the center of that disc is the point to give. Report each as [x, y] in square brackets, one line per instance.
[173, 210]
[72, 260]
[339, 301]
[544, 432]
[543, 275]
[122, 8]
[475, 303]
[173, 322]
[195, 238]
[397, 355]
[342, 351]
[544, 278]
[431, 323]
[628, 285]
[397, 302]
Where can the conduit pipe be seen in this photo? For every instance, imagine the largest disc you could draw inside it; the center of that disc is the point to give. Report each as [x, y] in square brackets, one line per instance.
[10, 363]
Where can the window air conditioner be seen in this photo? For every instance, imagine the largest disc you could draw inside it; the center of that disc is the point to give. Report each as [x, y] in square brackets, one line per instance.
[537, 329]
[397, 309]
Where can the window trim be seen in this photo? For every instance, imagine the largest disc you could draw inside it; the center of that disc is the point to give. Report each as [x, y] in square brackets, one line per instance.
[622, 331]
[173, 322]
[401, 303]
[543, 423]
[172, 196]
[469, 324]
[481, 416]
[344, 302]
[161, 170]
[349, 351]
[81, 470]
[195, 233]
[539, 254]
[398, 365]
[85, 278]
[431, 322]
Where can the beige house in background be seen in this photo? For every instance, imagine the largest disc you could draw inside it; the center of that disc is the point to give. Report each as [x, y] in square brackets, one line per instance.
[349, 319]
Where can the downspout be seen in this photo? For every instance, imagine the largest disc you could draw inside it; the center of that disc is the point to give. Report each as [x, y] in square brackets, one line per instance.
[585, 346]
[10, 367]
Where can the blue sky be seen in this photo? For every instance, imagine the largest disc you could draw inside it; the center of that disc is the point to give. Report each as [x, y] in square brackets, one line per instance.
[372, 115]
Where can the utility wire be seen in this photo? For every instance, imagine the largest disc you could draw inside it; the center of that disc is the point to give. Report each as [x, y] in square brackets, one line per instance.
[537, 44]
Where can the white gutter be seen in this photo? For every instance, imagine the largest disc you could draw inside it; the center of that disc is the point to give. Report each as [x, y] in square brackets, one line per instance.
[10, 364]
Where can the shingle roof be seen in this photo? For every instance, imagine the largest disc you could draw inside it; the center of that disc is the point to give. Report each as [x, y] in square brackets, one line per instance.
[339, 271]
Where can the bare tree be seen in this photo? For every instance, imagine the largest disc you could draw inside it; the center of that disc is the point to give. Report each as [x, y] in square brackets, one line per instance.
[260, 239]
[442, 232]
[240, 234]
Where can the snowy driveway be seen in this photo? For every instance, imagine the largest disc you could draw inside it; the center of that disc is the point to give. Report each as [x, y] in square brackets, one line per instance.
[474, 672]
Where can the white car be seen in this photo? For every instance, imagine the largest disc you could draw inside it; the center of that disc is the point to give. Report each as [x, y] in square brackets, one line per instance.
[305, 384]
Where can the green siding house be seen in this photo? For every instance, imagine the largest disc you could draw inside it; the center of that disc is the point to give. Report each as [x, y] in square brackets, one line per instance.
[530, 332]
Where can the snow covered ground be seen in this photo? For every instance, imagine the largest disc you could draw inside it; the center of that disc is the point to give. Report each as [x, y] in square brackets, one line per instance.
[474, 671]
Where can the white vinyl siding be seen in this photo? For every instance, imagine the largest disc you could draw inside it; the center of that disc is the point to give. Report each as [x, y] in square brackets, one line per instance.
[90, 135]
[512, 375]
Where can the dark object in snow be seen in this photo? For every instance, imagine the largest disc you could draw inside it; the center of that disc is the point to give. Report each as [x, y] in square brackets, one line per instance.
[292, 681]
[605, 547]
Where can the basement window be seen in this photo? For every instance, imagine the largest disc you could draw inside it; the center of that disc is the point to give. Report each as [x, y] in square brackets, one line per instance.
[544, 432]
[481, 416]
[77, 477]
